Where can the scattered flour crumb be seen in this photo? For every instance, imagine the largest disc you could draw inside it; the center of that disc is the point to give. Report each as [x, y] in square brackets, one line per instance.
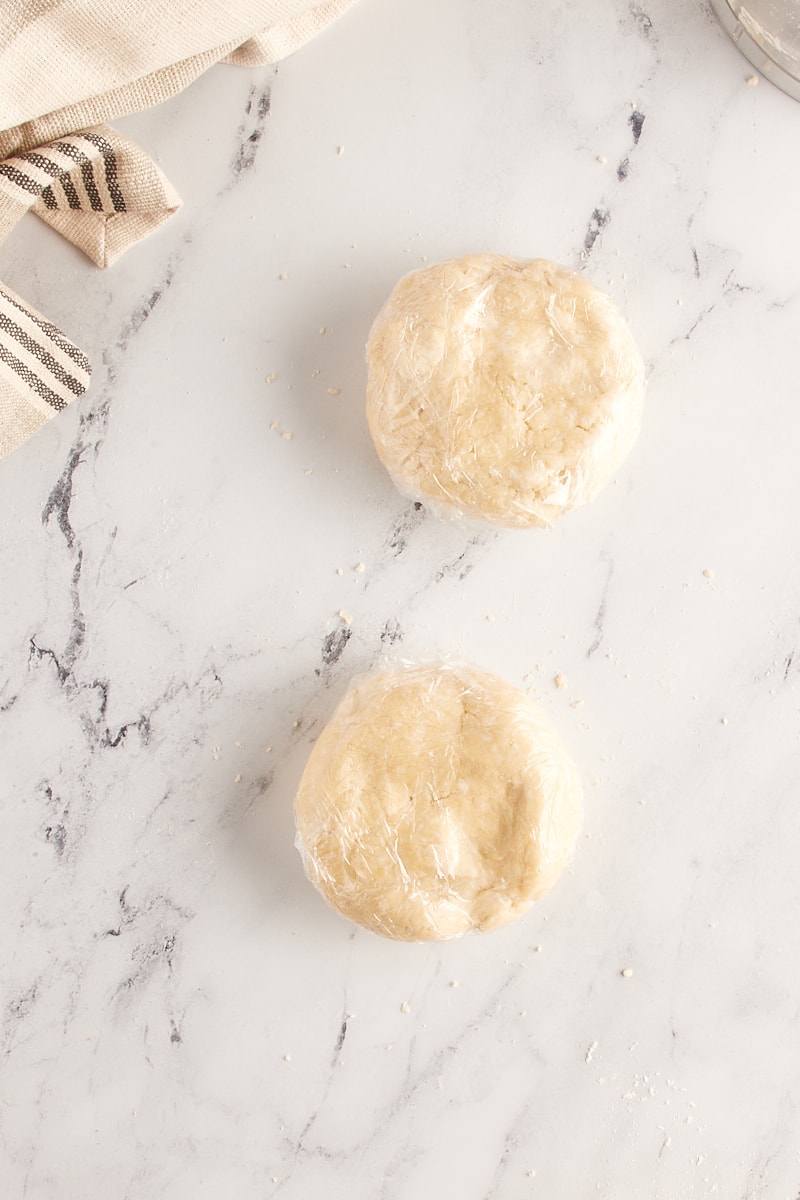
[601, 158]
[322, 329]
[340, 570]
[590, 1051]
[287, 1058]
[295, 724]
[239, 745]
[723, 721]
[237, 779]
[404, 1007]
[752, 80]
[537, 949]
[287, 435]
[360, 568]
[283, 276]
[308, 471]
[345, 616]
[560, 681]
[273, 375]
[576, 704]
[709, 574]
[274, 425]
[340, 149]
[453, 983]
[334, 391]
[626, 972]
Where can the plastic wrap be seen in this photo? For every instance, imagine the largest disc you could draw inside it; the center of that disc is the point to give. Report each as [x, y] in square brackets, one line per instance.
[502, 390]
[437, 800]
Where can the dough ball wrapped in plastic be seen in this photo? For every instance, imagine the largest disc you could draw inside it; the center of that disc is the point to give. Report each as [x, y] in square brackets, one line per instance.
[436, 801]
[502, 390]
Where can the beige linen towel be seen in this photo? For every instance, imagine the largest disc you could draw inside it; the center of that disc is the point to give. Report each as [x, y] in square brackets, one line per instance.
[66, 67]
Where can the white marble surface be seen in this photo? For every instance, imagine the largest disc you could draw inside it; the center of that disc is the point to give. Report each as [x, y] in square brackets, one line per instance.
[182, 1016]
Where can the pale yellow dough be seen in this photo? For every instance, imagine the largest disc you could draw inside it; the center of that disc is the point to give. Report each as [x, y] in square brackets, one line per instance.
[502, 390]
[437, 800]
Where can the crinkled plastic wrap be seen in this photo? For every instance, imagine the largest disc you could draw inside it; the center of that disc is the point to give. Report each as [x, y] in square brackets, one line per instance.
[437, 800]
[502, 390]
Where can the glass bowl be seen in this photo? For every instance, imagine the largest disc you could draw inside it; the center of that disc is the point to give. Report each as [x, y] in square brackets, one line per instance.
[768, 34]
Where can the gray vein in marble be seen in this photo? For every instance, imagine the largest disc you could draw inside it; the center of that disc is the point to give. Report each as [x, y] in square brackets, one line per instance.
[411, 1083]
[642, 23]
[599, 620]
[730, 286]
[597, 223]
[409, 520]
[391, 632]
[636, 121]
[601, 215]
[463, 565]
[511, 1143]
[251, 131]
[333, 647]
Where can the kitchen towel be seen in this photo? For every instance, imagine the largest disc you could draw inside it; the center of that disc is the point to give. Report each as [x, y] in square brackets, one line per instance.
[67, 67]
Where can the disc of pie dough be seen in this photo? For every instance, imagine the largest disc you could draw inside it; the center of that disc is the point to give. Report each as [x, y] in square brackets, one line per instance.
[502, 390]
[437, 800]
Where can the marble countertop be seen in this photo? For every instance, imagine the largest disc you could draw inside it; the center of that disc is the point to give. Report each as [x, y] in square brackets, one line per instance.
[182, 1015]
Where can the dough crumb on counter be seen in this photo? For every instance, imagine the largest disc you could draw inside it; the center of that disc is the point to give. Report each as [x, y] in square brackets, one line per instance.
[590, 1051]
[626, 972]
[283, 276]
[560, 681]
[273, 375]
[709, 574]
[576, 704]
[360, 568]
[345, 616]
[752, 80]
[601, 158]
[332, 391]
[405, 1007]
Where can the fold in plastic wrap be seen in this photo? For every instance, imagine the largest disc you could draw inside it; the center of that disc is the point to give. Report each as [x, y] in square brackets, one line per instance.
[502, 390]
[436, 801]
